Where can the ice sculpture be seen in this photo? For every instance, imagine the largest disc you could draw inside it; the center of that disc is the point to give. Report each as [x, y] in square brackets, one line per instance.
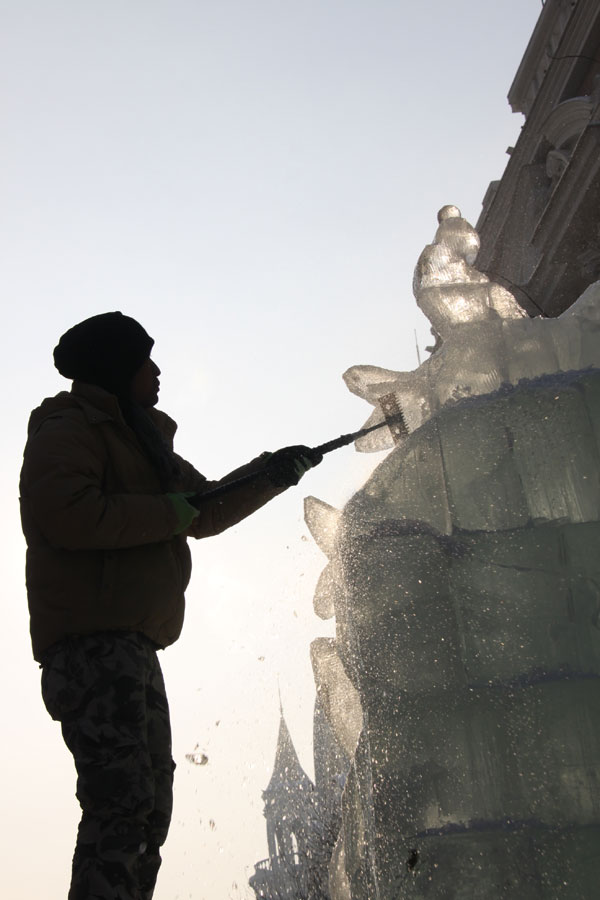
[465, 582]
[483, 337]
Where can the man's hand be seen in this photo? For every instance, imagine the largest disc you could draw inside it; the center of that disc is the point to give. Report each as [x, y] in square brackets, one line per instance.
[186, 513]
[286, 467]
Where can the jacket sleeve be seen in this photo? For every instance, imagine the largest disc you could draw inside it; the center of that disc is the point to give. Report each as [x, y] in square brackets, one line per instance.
[219, 514]
[222, 512]
[62, 492]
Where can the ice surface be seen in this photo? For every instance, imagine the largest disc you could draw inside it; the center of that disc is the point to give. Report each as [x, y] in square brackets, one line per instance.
[465, 582]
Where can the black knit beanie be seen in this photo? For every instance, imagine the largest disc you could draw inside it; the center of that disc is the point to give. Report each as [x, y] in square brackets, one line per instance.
[106, 350]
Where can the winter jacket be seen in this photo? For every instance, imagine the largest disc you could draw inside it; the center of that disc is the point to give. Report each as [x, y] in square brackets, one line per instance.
[101, 550]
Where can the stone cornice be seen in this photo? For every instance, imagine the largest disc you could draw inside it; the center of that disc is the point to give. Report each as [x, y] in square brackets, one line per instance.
[542, 46]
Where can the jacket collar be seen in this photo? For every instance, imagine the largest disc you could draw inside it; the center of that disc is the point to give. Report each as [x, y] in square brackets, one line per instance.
[97, 404]
[100, 406]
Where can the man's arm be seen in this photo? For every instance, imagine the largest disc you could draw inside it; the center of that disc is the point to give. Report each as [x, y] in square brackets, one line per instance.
[216, 515]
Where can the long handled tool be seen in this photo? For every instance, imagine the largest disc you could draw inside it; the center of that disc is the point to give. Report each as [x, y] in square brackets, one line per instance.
[394, 421]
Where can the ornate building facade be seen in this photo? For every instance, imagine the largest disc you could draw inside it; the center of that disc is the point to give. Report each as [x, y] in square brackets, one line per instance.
[539, 227]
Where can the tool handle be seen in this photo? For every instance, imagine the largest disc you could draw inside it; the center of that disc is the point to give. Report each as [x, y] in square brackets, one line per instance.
[222, 489]
[342, 441]
[228, 486]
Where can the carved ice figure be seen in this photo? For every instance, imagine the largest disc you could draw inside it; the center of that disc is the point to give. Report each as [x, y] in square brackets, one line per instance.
[483, 337]
[465, 582]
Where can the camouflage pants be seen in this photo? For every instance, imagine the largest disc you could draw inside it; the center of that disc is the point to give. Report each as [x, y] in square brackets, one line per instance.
[108, 693]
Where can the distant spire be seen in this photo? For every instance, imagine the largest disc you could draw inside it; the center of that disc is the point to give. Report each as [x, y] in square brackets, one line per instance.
[287, 771]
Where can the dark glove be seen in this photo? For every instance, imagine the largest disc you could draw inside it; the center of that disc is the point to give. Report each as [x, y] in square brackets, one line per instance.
[286, 467]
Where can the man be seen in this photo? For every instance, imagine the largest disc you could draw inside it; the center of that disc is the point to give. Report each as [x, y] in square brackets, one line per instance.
[106, 508]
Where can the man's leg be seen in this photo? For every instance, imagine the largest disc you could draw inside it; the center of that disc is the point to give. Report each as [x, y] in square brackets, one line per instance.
[159, 748]
[97, 687]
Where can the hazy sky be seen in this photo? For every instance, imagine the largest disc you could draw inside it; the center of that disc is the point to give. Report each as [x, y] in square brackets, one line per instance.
[254, 181]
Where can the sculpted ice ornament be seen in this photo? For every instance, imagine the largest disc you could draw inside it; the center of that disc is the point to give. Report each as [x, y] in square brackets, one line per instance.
[484, 343]
[464, 578]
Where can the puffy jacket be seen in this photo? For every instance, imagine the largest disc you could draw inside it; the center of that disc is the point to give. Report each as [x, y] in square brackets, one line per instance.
[101, 550]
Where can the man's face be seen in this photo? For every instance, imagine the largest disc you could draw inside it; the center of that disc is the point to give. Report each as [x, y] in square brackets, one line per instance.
[144, 386]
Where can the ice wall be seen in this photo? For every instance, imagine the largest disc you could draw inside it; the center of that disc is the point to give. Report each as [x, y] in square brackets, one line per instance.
[465, 582]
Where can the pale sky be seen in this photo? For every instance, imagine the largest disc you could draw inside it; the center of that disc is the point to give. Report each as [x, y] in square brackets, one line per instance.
[254, 181]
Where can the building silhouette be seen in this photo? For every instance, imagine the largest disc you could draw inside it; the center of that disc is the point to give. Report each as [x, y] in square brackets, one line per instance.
[302, 817]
